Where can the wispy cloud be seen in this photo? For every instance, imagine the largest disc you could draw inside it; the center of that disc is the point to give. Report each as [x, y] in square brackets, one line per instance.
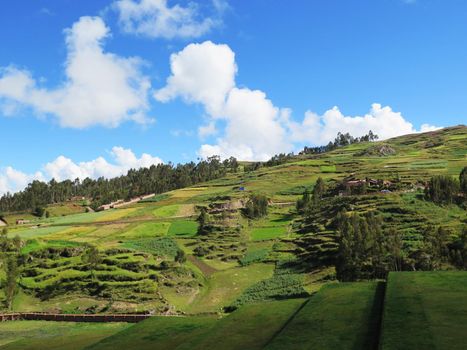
[46, 11]
[156, 19]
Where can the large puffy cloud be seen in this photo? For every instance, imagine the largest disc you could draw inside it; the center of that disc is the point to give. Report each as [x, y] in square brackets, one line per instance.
[255, 129]
[155, 19]
[100, 87]
[320, 129]
[63, 168]
[205, 73]
[202, 73]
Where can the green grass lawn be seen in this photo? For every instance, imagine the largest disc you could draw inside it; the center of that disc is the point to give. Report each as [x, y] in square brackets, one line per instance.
[164, 333]
[250, 327]
[161, 247]
[36, 232]
[184, 228]
[264, 233]
[425, 310]
[340, 316]
[147, 230]
[38, 335]
[223, 287]
[166, 211]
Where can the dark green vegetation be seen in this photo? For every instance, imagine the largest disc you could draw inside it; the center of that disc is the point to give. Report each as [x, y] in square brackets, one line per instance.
[413, 310]
[156, 179]
[265, 233]
[340, 316]
[365, 251]
[35, 335]
[251, 327]
[425, 311]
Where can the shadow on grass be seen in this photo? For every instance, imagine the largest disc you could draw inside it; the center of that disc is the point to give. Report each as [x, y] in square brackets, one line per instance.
[375, 319]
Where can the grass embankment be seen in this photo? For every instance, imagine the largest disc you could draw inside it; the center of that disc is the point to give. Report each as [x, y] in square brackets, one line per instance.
[425, 310]
[250, 327]
[34, 335]
[339, 316]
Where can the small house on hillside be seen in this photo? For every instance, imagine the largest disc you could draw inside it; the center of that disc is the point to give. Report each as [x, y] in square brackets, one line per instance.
[3, 222]
[22, 221]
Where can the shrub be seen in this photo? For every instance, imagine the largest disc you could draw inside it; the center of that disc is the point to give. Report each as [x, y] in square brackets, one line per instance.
[257, 206]
[254, 257]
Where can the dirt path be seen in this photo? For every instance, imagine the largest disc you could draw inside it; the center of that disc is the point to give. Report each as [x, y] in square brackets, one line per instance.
[205, 268]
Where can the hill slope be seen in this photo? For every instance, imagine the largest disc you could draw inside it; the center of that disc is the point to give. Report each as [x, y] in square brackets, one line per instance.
[285, 254]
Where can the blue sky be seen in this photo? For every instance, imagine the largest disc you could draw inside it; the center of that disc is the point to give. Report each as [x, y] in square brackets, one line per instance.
[87, 87]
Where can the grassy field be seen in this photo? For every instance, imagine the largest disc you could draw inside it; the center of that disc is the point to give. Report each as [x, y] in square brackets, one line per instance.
[166, 211]
[250, 327]
[223, 287]
[158, 333]
[147, 230]
[265, 233]
[339, 316]
[34, 335]
[425, 310]
[183, 228]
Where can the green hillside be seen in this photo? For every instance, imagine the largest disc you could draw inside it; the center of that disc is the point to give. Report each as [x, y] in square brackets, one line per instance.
[156, 257]
[425, 311]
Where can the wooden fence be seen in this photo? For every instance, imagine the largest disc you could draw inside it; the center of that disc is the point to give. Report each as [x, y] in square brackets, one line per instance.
[38, 316]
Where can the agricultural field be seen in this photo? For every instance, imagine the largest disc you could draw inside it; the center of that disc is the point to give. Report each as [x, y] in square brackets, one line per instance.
[154, 257]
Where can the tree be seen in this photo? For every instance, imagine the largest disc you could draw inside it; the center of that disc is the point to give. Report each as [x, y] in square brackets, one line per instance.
[17, 243]
[442, 189]
[4, 240]
[91, 258]
[434, 247]
[463, 181]
[365, 250]
[257, 206]
[180, 257]
[203, 222]
[154, 179]
[318, 190]
[458, 249]
[39, 212]
[394, 246]
[304, 203]
[11, 286]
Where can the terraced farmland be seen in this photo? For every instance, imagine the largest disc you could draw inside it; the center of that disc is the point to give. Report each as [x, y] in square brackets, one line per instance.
[152, 257]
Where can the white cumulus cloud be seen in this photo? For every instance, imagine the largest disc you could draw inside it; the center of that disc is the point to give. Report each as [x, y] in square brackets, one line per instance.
[156, 19]
[63, 168]
[202, 73]
[205, 73]
[320, 129]
[100, 88]
[256, 129]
